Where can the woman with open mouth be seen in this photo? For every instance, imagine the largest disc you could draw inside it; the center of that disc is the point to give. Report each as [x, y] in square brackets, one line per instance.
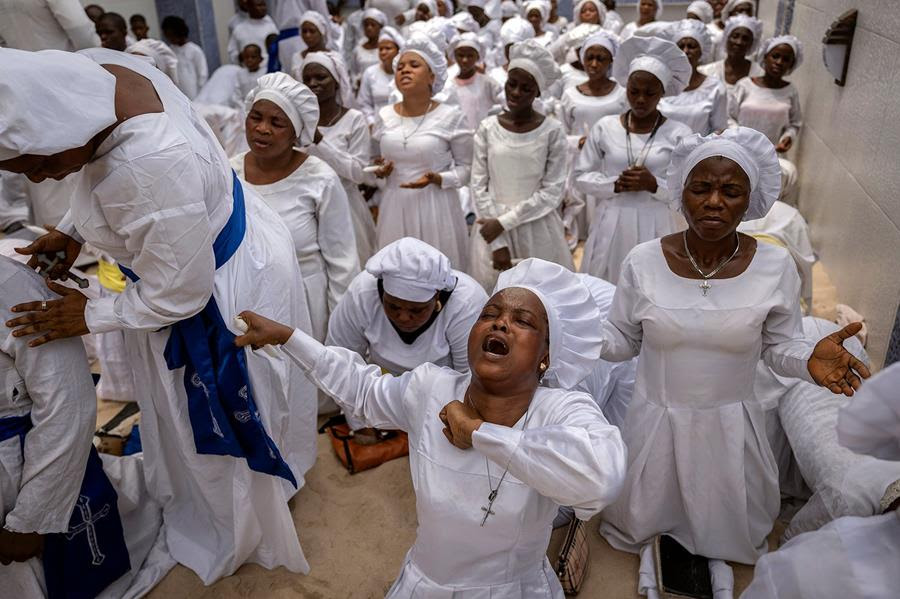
[495, 452]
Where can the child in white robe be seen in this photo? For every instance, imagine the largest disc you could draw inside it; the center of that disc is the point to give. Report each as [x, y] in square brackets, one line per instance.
[192, 69]
[478, 94]
[253, 30]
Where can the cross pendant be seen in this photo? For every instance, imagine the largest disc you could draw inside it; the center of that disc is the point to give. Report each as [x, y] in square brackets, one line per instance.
[705, 287]
[487, 509]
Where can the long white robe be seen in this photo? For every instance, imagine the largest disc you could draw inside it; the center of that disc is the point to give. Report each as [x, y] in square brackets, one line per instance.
[313, 205]
[704, 109]
[776, 113]
[156, 195]
[478, 96]
[453, 555]
[46, 25]
[374, 91]
[192, 68]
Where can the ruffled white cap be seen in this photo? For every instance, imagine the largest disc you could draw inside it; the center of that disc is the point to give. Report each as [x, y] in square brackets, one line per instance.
[732, 4]
[322, 24]
[293, 98]
[391, 34]
[791, 41]
[542, 6]
[576, 36]
[465, 22]
[431, 54]
[749, 148]
[604, 38]
[52, 101]
[162, 55]
[572, 314]
[376, 15]
[534, 58]
[516, 30]
[695, 30]
[601, 10]
[467, 40]
[656, 56]
[411, 270]
[334, 64]
[602, 292]
[702, 9]
[870, 423]
[753, 24]
[508, 8]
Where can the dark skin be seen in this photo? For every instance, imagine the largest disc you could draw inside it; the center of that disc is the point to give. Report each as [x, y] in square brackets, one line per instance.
[479, 15]
[387, 50]
[408, 316]
[776, 64]
[644, 92]
[64, 317]
[140, 29]
[423, 13]
[19, 546]
[520, 117]
[257, 9]
[597, 61]
[508, 354]
[694, 51]
[715, 198]
[271, 138]
[744, 8]
[112, 33]
[371, 29]
[646, 12]
[589, 14]
[537, 21]
[717, 6]
[93, 12]
[312, 37]
[737, 46]
[251, 57]
[467, 60]
[174, 38]
[322, 84]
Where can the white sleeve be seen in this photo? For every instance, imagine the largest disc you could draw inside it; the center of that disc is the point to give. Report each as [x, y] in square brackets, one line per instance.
[364, 98]
[202, 69]
[345, 324]
[233, 50]
[589, 171]
[718, 118]
[461, 148]
[347, 163]
[795, 118]
[622, 331]
[337, 243]
[481, 185]
[785, 348]
[576, 460]
[738, 95]
[78, 27]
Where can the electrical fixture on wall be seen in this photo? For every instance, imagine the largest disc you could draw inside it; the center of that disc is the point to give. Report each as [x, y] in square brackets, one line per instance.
[836, 46]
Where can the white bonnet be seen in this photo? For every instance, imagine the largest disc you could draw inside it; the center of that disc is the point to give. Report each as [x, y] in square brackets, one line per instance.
[52, 101]
[604, 38]
[654, 55]
[411, 270]
[572, 315]
[542, 6]
[163, 57]
[516, 30]
[432, 55]
[791, 41]
[749, 148]
[293, 98]
[702, 9]
[508, 8]
[534, 58]
[376, 15]
[464, 21]
[322, 24]
[601, 10]
[732, 4]
[575, 37]
[695, 30]
[334, 64]
[391, 34]
[751, 23]
[467, 40]
[602, 291]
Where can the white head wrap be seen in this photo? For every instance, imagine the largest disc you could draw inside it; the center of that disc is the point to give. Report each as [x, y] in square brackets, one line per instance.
[411, 270]
[752, 24]
[516, 30]
[602, 292]
[52, 101]
[334, 64]
[467, 40]
[601, 9]
[508, 8]
[465, 22]
[869, 424]
[431, 54]
[749, 148]
[574, 38]
[322, 24]
[572, 317]
[431, 4]
[654, 55]
[376, 15]
[702, 9]
[390, 34]
[695, 30]
[162, 55]
[293, 98]
[795, 44]
[537, 61]
[604, 38]
[442, 30]
[542, 6]
[732, 4]
[659, 9]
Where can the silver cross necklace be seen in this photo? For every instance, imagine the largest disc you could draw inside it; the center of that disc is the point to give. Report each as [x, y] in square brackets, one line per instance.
[704, 284]
[422, 120]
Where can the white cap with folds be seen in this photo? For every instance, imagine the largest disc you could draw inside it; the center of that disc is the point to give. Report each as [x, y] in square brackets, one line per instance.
[334, 64]
[516, 30]
[572, 315]
[752, 24]
[467, 40]
[411, 270]
[508, 8]
[795, 44]
[695, 30]
[656, 56]
[536, 60]
[163, 57]
[390, 34]
[542, 6]
[702, 9]
[464, 21]
[732, 4]
[293, 98]
[604, 38]
[376, 15]
[749, 148]
[52, 101]
[420, 44]
[322, 24]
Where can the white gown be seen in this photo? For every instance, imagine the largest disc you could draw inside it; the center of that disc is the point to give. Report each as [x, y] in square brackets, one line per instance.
[478, 96]
[374, 91]
[519, 179]
[346, 146]
[192, 69]
[43, 25]
[312, 203]
[623, 220]
[361, 60]
[437, 141]
[699, 463]
[776, 113]
[360, 324]
[704, 109]
[453, 555]
[251, 31]
[218, 512]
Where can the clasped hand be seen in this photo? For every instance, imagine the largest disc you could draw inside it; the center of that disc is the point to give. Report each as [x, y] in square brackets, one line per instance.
[636, 178]
[460, 421]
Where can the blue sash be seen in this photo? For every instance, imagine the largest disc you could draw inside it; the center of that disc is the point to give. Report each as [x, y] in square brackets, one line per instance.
[91, 554]
[223, 414]
[274, 64]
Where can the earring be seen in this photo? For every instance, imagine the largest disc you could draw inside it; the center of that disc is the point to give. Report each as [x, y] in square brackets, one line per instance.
[438, 306]
[543, 367]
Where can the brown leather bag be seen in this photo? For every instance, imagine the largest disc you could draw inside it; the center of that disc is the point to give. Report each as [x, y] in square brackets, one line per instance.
[574, 557]
[356, 457]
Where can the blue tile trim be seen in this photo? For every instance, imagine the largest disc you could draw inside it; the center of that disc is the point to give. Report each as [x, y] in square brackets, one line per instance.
[201, 20]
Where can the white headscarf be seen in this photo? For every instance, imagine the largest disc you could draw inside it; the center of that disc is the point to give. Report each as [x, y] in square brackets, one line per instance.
[536, 60]
[411, 270]
[870, 422]
[749, 148]
[654, 55]
[161, 54]
[702, 9]
[52, 101]
[508, 9]
[795, 44]
[575, 38]
[732, 4]
[695, 30]
[465, 22]
[572, 316]
[604, 38]
[516, 30]
[467, 40]
[390, 34]
[376, 15]
[431, 54]
[322, 24]
[334, 64]
[752, 24]
[601, 10]
[542, 6]
[659, 9]
[431, 4]
[293, 98]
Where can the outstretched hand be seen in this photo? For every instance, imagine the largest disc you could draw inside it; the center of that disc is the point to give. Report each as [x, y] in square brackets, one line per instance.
[460, 421]
[425, 180]
[262, 331]
[835, 368]
[46, 248]
[56, 319]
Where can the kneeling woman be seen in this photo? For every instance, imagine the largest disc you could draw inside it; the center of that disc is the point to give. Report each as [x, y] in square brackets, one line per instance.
[519, 173]
[303, 189]
[491, 452]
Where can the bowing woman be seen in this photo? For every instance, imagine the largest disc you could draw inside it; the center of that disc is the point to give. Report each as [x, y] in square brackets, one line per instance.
[158, 196]
[491, 451]
[700, 307]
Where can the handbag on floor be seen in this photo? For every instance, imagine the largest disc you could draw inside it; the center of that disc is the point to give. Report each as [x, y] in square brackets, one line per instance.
[357, 457]
[574, 557]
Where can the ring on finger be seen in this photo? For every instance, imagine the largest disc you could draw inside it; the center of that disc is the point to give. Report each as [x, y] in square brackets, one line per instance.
[44, 306]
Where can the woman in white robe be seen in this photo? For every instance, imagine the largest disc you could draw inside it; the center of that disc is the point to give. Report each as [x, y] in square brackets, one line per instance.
[741, 38]
[157, 192]
[623, 161]
[519, 174]
[375, 85]
[537, 12]
[488, 486]
[426, 155]
[648, 11]
[301, 188]
[365, 53]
